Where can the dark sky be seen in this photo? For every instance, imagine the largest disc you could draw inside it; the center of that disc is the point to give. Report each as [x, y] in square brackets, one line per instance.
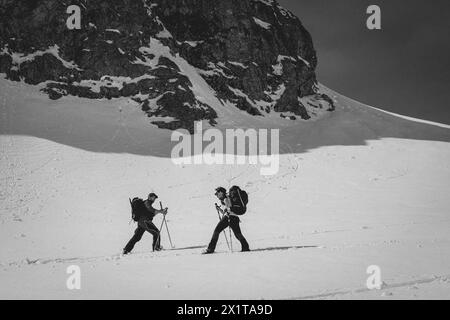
[404, 68]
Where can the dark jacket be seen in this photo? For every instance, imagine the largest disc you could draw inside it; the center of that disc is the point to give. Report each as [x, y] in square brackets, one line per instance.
[150, 212]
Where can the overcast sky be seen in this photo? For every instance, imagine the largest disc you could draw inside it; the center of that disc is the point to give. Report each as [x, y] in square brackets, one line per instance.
[402, 68]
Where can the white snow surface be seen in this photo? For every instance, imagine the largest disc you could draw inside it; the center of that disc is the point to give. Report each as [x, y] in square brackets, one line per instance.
[337, 205]
[278, 68]
[262, 24]
[238, 64]
[113, 30]
[110, 81]
[193, 43]
[302, 59]
[19, 58]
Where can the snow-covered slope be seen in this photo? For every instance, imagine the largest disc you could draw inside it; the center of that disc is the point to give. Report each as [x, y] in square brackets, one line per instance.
[357, 187]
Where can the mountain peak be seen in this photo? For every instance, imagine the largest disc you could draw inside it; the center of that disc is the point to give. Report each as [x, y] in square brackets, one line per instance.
[179, 59]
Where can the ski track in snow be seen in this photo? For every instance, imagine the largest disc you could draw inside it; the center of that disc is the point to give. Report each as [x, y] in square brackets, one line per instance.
[333, 294]
[192, 250]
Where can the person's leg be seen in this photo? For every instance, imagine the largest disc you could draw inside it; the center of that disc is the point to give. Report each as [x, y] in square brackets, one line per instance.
[136, 237]
[219, 228]
[234, 224]
[150, 227]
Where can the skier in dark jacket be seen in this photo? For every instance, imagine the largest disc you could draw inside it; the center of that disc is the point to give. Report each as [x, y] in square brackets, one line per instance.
[233, 207]
[145, 224]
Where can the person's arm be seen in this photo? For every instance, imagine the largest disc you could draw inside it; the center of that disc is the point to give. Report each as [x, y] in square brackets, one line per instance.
[154, 211]
[163, 211]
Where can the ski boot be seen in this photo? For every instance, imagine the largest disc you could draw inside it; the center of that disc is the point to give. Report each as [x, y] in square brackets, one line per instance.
[208, 251]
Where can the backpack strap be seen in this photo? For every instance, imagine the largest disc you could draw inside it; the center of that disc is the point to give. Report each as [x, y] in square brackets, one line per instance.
[131, 204]
[243, 204]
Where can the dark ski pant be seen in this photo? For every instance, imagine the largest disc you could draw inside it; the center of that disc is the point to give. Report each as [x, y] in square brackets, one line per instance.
[144, 225]
[233, 222]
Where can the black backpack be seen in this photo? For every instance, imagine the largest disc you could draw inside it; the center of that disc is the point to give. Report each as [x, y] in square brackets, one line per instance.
[137, 208]
[242, 195]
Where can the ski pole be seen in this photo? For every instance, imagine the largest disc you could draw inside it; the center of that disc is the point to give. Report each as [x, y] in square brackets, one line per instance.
[224, 233]
[158, 240]
[231, 238]
[220, 218]
[167, 227]
[131, 204]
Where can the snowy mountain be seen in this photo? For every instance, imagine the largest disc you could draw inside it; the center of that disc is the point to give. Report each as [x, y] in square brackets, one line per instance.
[252, 55]
[357, 186]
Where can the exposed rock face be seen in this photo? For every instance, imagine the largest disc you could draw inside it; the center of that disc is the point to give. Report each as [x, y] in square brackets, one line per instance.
[255, 55]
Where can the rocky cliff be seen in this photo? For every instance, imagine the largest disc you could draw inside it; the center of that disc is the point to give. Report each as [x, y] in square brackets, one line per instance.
[253, 55]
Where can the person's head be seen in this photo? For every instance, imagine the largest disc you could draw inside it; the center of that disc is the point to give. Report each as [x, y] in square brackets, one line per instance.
[152, 197]
[221, 193]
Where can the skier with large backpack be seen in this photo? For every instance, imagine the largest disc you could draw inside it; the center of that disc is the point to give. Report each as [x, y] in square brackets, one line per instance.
[143, 213]
[234, 205]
